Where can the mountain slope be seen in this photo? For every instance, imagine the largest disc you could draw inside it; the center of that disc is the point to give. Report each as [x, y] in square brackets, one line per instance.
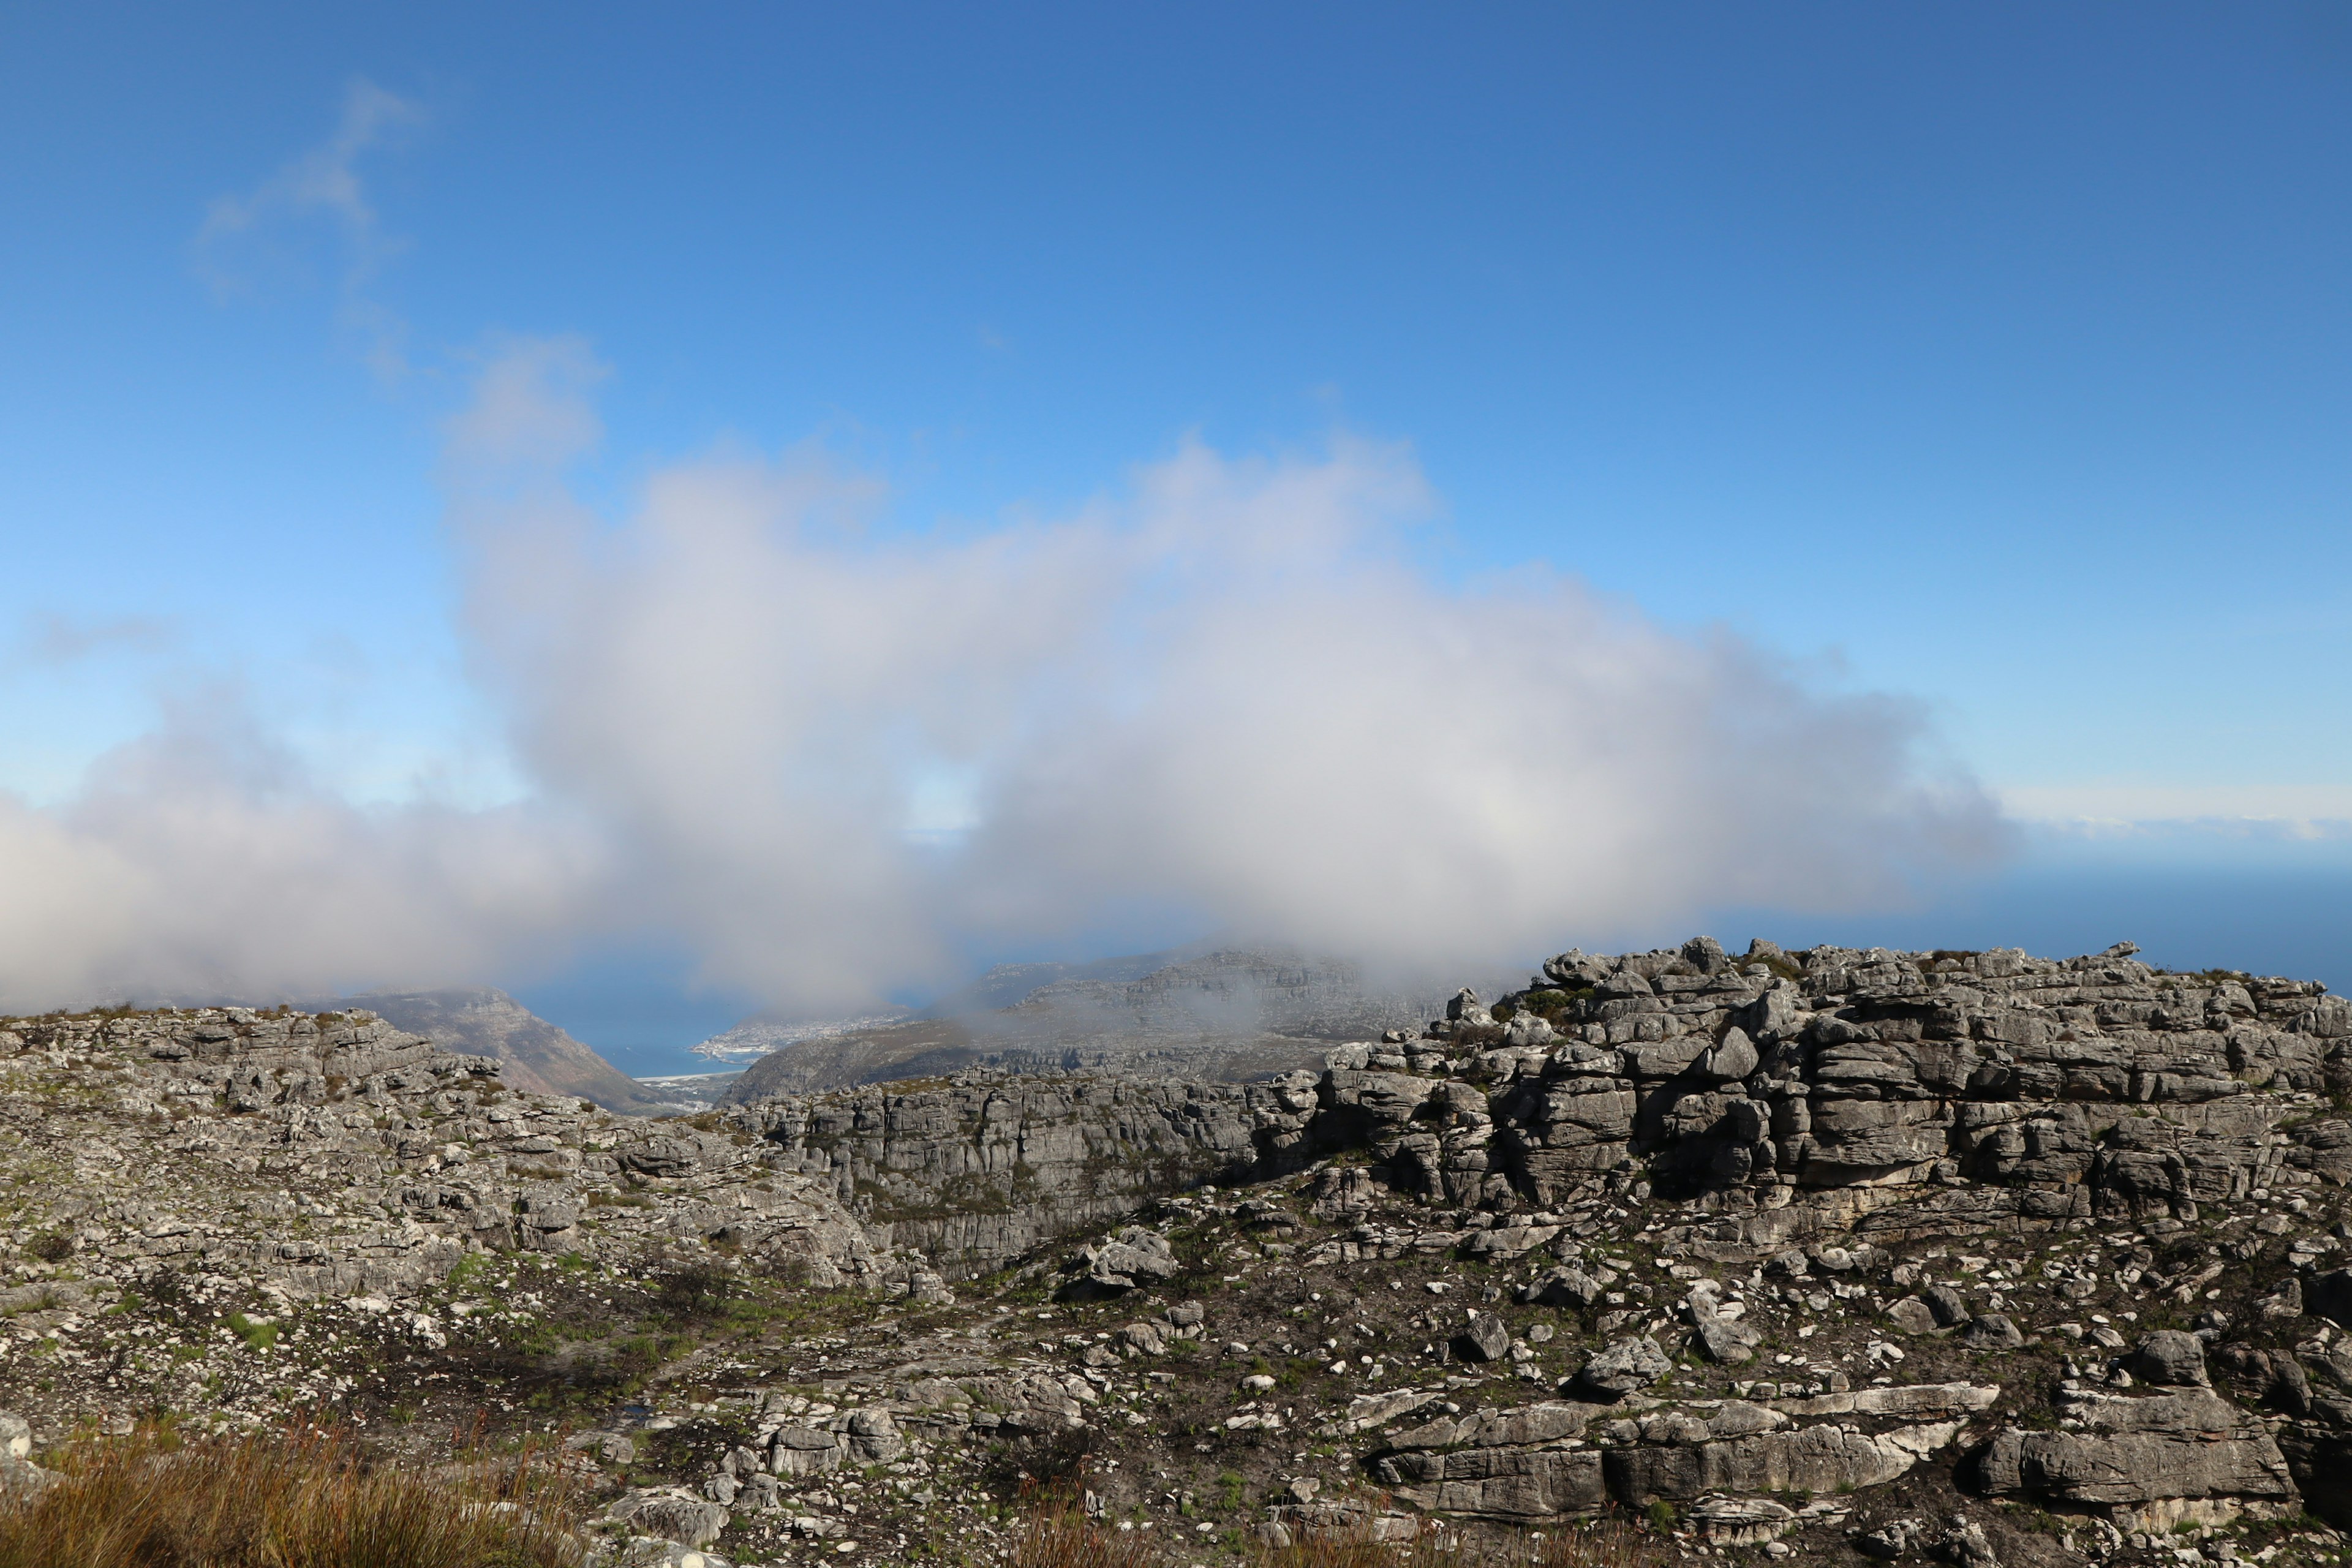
[539, 1058]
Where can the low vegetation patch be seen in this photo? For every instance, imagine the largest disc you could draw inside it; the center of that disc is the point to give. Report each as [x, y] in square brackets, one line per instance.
[301, 1498]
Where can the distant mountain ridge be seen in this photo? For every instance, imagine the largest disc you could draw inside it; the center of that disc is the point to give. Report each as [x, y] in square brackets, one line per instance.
[1205, 1012]
[540, 1058]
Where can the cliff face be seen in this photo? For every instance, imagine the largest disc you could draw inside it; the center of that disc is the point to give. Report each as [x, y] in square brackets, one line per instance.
[537, 1056]
[979, 1172]
[2013, 1259]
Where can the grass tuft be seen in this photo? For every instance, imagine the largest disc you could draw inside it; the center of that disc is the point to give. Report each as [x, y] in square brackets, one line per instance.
[1060, 1535]
[306, 1498]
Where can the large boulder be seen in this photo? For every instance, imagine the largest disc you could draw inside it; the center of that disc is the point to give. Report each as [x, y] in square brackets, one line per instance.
[1721, 1337]
[2140, 1458]
[2172, 1358]
[1992, 1331]
[1951, 1308]
[1488, 1338]
[1566, 1287]
[1134, 1256]
[674, 1515]
[1625, 1366]
[803, 1451]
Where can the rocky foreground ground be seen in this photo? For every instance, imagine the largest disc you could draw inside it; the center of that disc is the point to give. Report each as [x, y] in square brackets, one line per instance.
[1844, 1254]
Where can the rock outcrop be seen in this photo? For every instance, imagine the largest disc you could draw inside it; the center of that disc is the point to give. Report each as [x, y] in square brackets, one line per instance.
[980, 1170]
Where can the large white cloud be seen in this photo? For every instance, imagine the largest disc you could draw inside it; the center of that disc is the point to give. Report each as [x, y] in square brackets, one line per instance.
[199, 862]
[1226, 688]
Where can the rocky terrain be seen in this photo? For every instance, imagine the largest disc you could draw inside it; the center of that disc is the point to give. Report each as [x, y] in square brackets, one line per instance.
[1968, 1257]
[1214, 1013]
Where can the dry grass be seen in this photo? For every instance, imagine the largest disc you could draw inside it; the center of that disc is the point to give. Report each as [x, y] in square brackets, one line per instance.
[303, 1498]
[1060, 1535]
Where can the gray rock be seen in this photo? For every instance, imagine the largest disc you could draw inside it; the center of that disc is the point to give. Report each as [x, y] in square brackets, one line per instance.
[1137, 1256]
[1567, 1287]
[1734, 1057]
[1968, 1546]
[1725, 1342]
[874, 1435]
[1819, 1459]
[2128, 1452]
[1622, 1367]
[1488, 1338]
[1913, 1316]
[1721, 1338]
[1888, 1541]
[675, 1516]
[1951, 1308]
[20, 1479]
[803, 1451]
[2173, 1358]
[1991, 1331]
[1741, 1521]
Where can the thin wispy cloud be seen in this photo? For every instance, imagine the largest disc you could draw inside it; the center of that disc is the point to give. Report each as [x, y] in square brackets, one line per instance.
[325, 185]
[51, 640]
[827, 756]
[531, 413]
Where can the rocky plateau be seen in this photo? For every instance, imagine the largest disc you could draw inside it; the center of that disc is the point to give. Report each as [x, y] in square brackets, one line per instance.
[1840, 1254]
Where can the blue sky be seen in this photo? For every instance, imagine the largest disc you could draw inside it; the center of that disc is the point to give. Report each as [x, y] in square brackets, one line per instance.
[1994, 357]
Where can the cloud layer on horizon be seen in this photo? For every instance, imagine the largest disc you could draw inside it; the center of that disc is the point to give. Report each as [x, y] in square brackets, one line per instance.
[1226, 691]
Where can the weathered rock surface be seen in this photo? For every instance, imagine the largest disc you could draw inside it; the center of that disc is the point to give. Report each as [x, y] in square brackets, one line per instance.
[2150, 1460]
[977, 1171]
[1622, 1367]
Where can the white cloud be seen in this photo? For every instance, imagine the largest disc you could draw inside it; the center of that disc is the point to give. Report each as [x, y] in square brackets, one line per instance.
[325, 182]
[1223, 689]
[199, 862]
[531, 413]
